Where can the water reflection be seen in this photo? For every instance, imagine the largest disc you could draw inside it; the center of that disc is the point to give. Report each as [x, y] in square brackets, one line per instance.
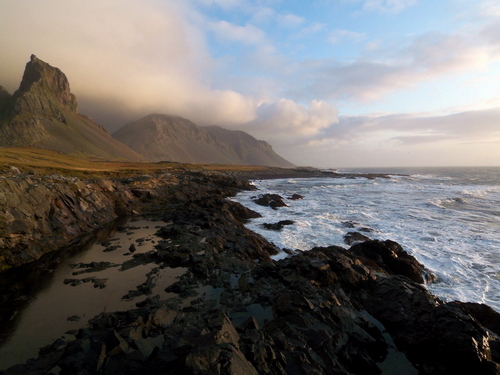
[37, 300]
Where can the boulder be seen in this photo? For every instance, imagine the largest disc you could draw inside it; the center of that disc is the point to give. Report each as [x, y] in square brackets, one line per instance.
[279, 225]
[270, 200]
[390, 257]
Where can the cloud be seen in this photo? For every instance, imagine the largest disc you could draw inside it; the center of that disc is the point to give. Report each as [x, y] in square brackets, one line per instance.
[412, 129]
[388, 6]
[307, 31]
[247, 34]
[423, 58]
[338, 36]
[290, 20]
[286, 122]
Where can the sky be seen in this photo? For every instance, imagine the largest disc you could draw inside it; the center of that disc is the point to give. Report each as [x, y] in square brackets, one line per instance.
[328, 83]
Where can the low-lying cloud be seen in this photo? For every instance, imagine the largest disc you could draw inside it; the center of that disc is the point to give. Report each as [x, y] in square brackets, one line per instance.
[126, 59]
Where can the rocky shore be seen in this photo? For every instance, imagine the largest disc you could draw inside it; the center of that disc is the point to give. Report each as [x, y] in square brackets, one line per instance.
[331, 310]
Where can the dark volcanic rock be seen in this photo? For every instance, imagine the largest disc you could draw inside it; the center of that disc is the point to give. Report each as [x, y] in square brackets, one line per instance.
[440, 337]
[390, 256]
[236, 311]
[354, 237]
[270, 200]
[279, 225]
[484, 314]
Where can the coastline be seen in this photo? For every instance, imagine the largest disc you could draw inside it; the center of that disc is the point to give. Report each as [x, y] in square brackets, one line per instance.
[319, 311]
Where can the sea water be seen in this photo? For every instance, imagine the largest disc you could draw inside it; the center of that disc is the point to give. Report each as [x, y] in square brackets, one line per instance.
[447, 218]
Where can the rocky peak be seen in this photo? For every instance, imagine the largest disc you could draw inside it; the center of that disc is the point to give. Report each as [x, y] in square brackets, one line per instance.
[4, 94]
[43, 89]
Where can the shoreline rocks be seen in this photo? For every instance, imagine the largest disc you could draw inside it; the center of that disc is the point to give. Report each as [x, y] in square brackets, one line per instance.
[328, 310]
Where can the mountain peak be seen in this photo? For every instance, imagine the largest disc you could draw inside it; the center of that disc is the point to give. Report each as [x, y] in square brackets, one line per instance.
[43, 113]
[44, 88]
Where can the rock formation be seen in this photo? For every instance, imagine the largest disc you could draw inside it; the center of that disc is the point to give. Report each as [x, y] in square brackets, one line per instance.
[328, 310]
[161, 137]
[44, 113]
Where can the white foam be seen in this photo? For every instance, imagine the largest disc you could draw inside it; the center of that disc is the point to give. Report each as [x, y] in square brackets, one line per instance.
[449, 224]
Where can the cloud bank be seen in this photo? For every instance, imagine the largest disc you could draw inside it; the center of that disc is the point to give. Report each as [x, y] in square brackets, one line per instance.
[216, 62]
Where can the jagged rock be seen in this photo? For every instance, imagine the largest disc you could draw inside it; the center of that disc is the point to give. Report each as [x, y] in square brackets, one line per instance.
[392, 258]
[440, 337]
[324, 311]
[44, 113]
[355, 237]
[270, 200]
[279, 225]
[484, 314]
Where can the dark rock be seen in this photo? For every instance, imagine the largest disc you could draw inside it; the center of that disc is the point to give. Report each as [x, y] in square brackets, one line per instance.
[270, 200]
[295, 197]
[484, 314]
[279, 225]
[390, 257]
[355, 237]
[241, 213]
[439, 337]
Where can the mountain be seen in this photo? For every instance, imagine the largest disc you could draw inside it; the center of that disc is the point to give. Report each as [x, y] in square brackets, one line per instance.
[162, 137]
[44, 113]
[249, 149]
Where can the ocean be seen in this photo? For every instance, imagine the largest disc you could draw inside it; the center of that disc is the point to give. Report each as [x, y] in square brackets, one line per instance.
[447, 218]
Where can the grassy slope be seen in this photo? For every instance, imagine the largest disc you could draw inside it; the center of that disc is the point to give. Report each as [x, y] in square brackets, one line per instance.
[48, 162]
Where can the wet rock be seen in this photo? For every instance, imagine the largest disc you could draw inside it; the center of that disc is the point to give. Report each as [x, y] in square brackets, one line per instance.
[439, 337]
[484, 314]
[354, 237]
[392, 258]
[279, 225]
[295, 197]
[242, 213]
[270, 200]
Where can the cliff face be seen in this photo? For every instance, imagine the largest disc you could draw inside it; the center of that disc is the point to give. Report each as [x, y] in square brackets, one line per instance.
[39, 215]
[44, 90]
[44, 113]
[161, 137]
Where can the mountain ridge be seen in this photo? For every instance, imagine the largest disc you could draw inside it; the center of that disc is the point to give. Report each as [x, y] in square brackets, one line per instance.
[161, 137]
[43, 113]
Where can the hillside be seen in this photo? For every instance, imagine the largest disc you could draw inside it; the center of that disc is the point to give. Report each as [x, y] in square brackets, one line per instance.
[247, 148]
[44, 113]
[160, 137]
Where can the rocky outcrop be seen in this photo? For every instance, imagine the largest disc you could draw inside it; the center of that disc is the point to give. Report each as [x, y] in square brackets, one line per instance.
[44, 113]
[39, 214]
[160, 137]
[44, 90]
[328, 310]
[392, 258]
[270, 200]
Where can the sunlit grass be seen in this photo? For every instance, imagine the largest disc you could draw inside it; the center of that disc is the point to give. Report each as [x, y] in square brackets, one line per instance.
[46, 162]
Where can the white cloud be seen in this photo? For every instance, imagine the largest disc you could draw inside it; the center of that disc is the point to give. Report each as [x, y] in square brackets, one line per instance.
[388, 6]
[312, 29]
[247, 34]
[338, 36]
[289, 20]
[286, 122]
